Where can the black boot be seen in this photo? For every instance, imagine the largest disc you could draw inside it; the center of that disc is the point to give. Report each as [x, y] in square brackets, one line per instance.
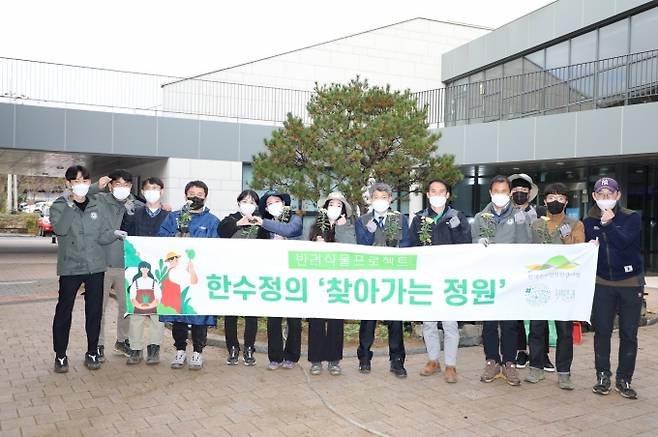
[153, 354]
[397, 368]
[233, 356]
[135, 357]
[249, 359]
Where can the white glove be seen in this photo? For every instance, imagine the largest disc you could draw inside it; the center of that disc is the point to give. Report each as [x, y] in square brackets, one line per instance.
[565, 230]
[454, 222]
[484, 241]
[371, 226]
[120, 234]
[532, 215]
[520, 218]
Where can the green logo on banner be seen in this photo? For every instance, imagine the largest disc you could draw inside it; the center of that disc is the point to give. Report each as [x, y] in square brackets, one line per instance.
[309, 260]
[558, 262]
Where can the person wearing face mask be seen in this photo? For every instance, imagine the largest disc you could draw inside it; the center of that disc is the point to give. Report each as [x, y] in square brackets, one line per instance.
[500, 223]
[554, 228]
[447, 226]
[619, 285]
[118, 202]
[279, 222]
[193, 220]
[325, 336]
[146, 222]
[382, 227]
[242, 224]
[81, 224]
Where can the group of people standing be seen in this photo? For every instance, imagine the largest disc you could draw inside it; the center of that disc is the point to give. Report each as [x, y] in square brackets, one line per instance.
[92, 220]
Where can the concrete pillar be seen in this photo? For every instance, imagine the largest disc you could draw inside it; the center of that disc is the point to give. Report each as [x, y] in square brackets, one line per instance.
[10, 192]
[15, 204]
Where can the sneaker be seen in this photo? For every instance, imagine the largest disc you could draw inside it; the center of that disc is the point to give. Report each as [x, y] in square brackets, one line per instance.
[564, 381]
[510, 374]
[287, 364]
[61, 365]
[91, 362]
[602, 386]
[548, 366]
[135, 357]
[521, 360]
[334, 368]
[233, 356]
[535, 375]
[196, 363]
[122, 347]
[450, 375]
[364, 367]
[624, 388]
[152, 354]
[274, 365]
[179, 359]
[491, 371]
[248, 356]
[397, 368]
[316, 368]
[431, 367]
[101, 353]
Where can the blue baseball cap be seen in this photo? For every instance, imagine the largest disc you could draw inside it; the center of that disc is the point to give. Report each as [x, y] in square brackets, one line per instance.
[606, 183]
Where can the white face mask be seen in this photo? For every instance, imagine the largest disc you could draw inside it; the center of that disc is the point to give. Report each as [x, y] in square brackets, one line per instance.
[80, 190]
[121, 193]
[381, 205]
[606, 204]
[438, 201]
[247, 209]
[333, 212]
[276, 209]
[500, 200]
[151, 196]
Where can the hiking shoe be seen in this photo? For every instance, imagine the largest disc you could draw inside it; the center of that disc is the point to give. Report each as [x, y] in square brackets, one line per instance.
[548, 366]
[510, 374]
[564, 381]
[248, 356]
[334, 368]
[450, 374]
[196, 363]
[624, 388]
[122, 347]
[61, 365]
[274, 365]
[521, 360]
[397, 368]
[91, 361]
[364, 367]
[431, 367]
[179, 359]
[135, 357]
[316, 368]
[491, 371]
[101, 353]
[233, 356]
[152, 354]
[287, 364]
[535, 375]
[602, 386]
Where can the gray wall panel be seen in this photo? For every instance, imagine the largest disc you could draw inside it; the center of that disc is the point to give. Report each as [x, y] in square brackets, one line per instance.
[568, 16]
[598, 10]
[517, 37]
[219, 140]
[481, 143]
[135, 135]
[640, 134]
[88, 131]
[516, 140]
[6, 125]
[599, 132]
[178, 137]
[555, 136]
[452, 142]
[40, 128]
[252, 139]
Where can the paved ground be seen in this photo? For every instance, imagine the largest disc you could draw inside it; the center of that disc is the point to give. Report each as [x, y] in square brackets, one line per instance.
[223, 400]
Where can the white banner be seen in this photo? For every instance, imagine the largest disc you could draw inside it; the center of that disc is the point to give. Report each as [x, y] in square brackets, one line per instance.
[282, 278]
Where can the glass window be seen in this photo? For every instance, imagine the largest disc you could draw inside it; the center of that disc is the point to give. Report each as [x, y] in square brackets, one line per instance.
[494, 72]
[583, 48]
[533, 62]
[513, 67]
[613, 40]
[557, 55]
[644, 31]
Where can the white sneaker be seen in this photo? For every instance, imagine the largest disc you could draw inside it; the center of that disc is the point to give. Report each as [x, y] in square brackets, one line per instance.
[196, 362]
[179, 360]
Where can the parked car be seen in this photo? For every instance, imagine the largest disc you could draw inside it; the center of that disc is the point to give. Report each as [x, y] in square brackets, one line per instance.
[45, 227]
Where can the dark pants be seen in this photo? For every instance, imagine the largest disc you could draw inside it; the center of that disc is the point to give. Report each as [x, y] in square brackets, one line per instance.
[505, 344]
[275, 347]
[231, 331]
[522, 343]
[199, 336]
[367, 338]
[609, 301]
[68, 289]
[539, 344]
[325, 340]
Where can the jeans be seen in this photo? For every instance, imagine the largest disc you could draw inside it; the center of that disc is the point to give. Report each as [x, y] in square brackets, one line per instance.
[367, 338]
[505, 344]
[539, 349]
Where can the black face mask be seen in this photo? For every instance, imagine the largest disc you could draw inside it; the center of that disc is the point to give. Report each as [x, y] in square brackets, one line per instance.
[555, 207]
[519, 197]
[197, 202]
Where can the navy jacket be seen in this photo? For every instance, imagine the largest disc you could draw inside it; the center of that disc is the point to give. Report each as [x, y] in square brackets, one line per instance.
[367, 238]
[442, 230]
[620, 255]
